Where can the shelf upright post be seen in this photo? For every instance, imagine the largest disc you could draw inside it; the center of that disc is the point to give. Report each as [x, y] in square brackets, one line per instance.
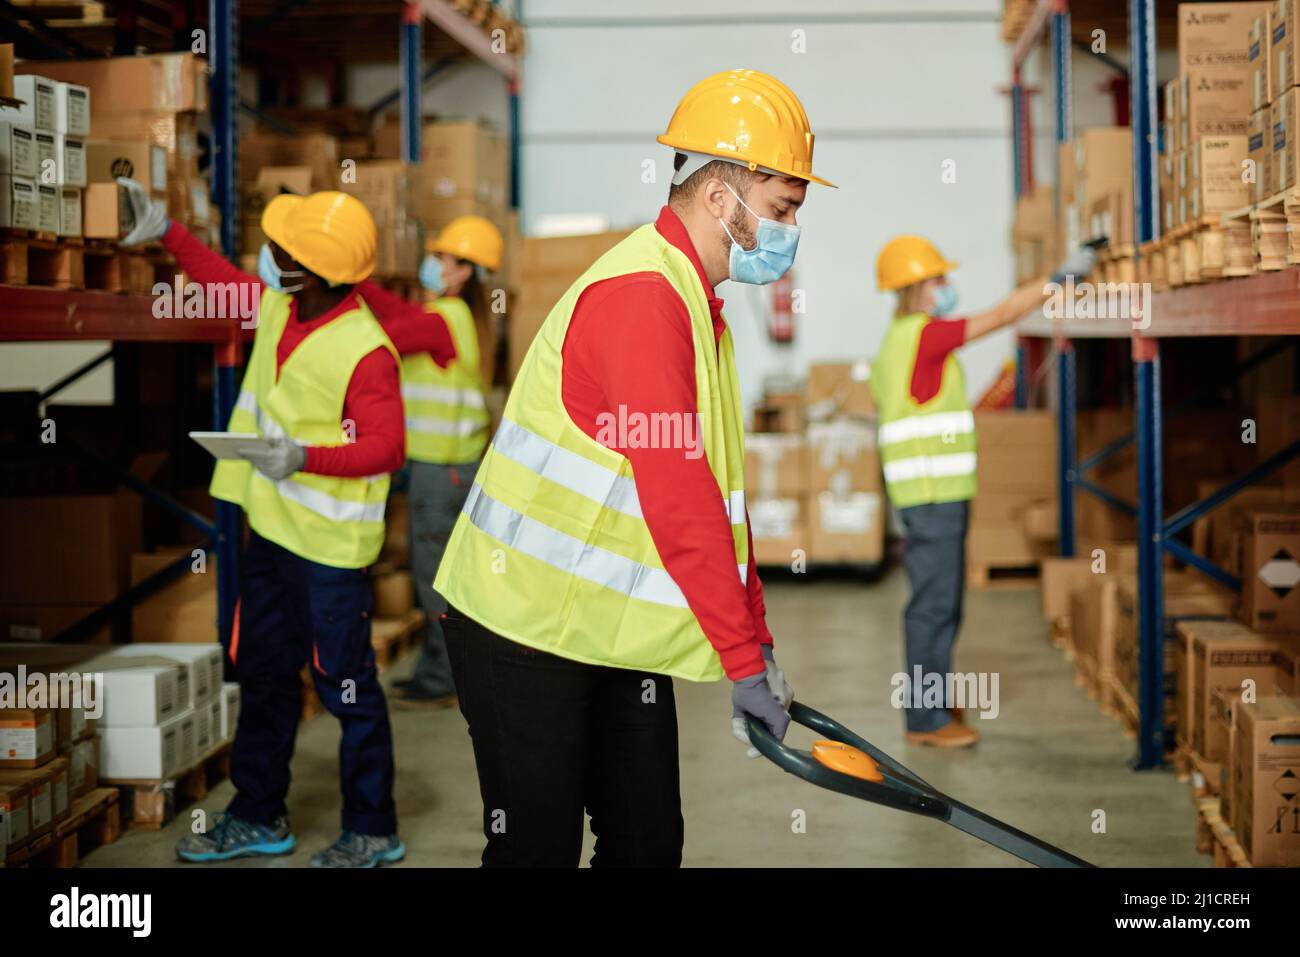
[1146, 372]
[223, 19]
[412, 43]
[1066, 395]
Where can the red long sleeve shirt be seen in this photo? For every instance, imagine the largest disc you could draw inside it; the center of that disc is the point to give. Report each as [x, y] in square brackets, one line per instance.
[938, 339]
[617, 326]
[374, 396]
[410, 325]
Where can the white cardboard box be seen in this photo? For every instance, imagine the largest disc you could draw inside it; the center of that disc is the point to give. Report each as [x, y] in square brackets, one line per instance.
[69, 210]
[136, 696]
[47, 163]
[229, 710]
[19, 206]
[202, 729]
[202, 660]
[71, 108]
[48, 208]
[70, 160]
[17, 150]
[147, 754]
[38, 95]
[214, 717]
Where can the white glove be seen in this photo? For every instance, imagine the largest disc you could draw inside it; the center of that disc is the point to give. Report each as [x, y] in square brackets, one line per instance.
[281, 460]
[1078, 264]
[780, 690]
[150, 215]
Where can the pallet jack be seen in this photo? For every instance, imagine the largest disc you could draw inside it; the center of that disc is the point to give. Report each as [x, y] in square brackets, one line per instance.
[848, 764]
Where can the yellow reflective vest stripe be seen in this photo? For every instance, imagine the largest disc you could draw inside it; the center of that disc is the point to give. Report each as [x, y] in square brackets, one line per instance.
[330, 520]
[551, 549]
[927, 450]
[446, 413]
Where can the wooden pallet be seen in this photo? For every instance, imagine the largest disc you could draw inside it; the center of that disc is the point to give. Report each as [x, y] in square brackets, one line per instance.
[1208, 249]
[1206, 776]
[92, 820]
[40, 259]
[1151, 265]
[1270, 235]
[1123, 706]
[393, 637]
[1214, 836]
[1116, 264]
[65, 14]
[151, 805]
[989, 576]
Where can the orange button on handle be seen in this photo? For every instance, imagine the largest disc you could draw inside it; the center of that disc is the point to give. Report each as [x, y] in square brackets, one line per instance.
[847, 760]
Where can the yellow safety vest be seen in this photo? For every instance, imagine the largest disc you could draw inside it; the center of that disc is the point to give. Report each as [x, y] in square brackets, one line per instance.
[446, 414]
[551, 549]
[927, 449]
[333, 521]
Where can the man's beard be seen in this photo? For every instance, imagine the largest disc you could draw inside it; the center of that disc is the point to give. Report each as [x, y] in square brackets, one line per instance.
[740, 230]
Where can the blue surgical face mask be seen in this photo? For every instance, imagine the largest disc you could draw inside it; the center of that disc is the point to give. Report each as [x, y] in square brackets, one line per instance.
[945, 299]
[271, 274]
[773, 252]
[431, 274]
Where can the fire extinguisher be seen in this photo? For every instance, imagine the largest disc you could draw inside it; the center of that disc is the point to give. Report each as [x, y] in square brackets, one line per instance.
[780, 322]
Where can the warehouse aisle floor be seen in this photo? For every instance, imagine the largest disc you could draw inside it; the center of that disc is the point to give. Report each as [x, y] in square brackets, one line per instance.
[1046, 764]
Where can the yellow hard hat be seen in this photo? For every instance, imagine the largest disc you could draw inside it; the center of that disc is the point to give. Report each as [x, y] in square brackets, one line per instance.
[748, 117]
[909, 259]
[330, 233]
[470, 237]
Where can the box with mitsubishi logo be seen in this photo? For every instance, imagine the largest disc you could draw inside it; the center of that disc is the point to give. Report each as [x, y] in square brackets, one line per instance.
[1270, 571]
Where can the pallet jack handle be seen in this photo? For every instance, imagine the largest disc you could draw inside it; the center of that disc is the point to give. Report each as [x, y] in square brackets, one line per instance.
[878, 778]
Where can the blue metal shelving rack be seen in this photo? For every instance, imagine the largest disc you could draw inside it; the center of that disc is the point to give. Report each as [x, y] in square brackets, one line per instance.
[1264, 304]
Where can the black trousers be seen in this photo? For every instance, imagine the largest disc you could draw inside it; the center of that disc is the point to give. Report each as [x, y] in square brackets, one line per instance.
[554, 738]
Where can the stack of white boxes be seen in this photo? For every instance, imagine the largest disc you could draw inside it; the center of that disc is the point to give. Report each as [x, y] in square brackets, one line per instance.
[43, 156]
[162, 708]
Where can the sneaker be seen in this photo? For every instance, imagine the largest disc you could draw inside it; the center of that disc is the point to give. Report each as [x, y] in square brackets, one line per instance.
[951, 735]
[233, 837]
[360, 850]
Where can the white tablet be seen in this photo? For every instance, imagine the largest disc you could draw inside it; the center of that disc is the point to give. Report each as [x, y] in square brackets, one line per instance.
[230, 445]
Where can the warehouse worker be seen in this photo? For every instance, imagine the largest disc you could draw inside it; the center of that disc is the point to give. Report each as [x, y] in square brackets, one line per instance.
[591, 566]
[927, 449]
[446, 416]
[322, 386]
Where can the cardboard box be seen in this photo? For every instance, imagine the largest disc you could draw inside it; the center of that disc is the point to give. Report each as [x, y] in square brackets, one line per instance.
[60, 789]
[465, 159]
[394, 594]
[160, 81]
[137, 696]
[19, 204]
[184, 611]
[1278, 419]
[1215, 34]
[780, 412]
[842, 457]
[1221, 655]
[1103, 164]
[846, 526]
[1215, 170]
[776, 465]
[1094, 624]
[1168, 193]
[69, 211]
[204, 662]
[70, 725]
[1060, 577]
[1271, 571]
[147, 753]
[1214, 103]
[214, 720]
[27, 737]
[1017, 452]
[72, 109]
[1259, 147]
[1259, 60]
[1285, 131]
[144, 162]
[1033, 235]
[317, 151]
[778, 528]
[229, 710]
[38, 784]
[39, 623]
[1267, 765]
[6, 70]
[15, 807]
[17, 150]
[105, 211]
[839, 389]
[49, 208]
[1283, 26]
[38, 94]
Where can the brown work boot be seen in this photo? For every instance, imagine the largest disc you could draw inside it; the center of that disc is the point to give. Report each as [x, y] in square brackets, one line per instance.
[956, 715]
[951, 735]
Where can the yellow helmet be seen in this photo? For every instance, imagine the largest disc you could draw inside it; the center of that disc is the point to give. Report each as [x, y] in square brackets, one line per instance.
[748, 117]
[909, 259]
[470, 237]
[330, 233]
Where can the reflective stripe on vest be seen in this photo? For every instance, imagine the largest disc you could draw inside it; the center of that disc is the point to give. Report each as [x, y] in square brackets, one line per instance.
[551, 549]
[447, 417]
[927, 450]
[326, 519]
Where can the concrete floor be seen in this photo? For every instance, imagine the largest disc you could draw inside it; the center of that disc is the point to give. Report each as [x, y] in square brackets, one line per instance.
[1046, 764]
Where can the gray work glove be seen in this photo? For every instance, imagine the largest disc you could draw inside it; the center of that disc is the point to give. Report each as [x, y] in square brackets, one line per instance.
[281, 460]
[1078, 264]
[754, 696]
[150, 214]
[776, 679]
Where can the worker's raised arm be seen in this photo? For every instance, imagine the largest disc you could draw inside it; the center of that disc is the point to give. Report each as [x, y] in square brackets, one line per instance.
[1030, 296]
[411, 326]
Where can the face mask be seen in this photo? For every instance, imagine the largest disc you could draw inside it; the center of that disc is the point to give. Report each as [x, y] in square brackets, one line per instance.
[271, 274]
[945, 299]
[431, 274]
[772, 255]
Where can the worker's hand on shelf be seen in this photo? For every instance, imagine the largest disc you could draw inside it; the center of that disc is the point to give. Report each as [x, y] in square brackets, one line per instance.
[282, 459]
[1077, 265]
[754, 696]
[149, 214]
[776, 678]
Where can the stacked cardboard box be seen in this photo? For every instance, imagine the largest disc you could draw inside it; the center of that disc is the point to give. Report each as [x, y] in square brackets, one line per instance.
[1269, 568]
[1016, 466]
[43, 154]
[105, 209]
[776, 484]
[184, 610]
[389, 189]
[1095, 165]
[1264, 771]
[1034, 235]
[846, 504]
